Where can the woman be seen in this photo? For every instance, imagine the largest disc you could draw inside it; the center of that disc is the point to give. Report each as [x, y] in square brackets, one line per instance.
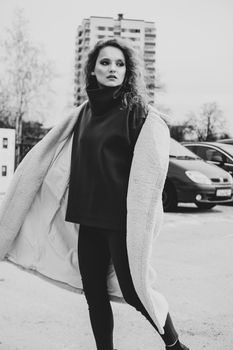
[110, 198]
[103, 145]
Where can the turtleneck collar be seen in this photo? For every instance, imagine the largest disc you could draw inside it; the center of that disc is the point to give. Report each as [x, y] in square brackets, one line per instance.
[103, 99]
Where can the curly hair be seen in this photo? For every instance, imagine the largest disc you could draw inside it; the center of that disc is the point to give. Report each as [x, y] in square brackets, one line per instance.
[133, 87]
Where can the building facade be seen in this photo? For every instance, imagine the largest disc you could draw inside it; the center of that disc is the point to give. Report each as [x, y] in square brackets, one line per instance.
[142, 34]
[7, 158]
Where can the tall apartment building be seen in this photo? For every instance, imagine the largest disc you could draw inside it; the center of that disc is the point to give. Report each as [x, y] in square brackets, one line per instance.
[141, 33]
[7, 158]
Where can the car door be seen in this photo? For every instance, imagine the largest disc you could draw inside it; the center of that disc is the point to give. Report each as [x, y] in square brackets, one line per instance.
[228, 165]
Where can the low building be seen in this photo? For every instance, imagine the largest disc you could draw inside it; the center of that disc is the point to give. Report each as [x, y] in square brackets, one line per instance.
[7, 158]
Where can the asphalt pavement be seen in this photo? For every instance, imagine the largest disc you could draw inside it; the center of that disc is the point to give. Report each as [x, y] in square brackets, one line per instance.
[193, 259]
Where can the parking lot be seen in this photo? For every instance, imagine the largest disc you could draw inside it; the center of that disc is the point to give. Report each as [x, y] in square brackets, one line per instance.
[193, 258]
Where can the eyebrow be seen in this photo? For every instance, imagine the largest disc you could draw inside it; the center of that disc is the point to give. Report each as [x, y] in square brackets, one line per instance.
[107, 58]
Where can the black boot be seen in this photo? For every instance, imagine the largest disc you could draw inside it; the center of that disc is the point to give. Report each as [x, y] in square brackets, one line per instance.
[177, 346]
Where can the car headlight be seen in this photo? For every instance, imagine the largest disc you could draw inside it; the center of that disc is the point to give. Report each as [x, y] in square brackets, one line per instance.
[230, 178]
[198, 177]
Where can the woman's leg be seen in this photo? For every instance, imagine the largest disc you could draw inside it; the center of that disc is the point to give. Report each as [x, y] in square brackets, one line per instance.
[118, 250]
[94, 258]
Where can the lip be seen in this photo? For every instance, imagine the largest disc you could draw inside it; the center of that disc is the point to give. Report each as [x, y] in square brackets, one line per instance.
[111, 77]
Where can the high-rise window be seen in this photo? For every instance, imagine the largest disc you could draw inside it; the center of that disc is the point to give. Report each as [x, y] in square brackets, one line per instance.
[134, 39]
[149, 30]
[4, 170]
[133, 30]
[5, 142]
[149, 45]
[148, 35]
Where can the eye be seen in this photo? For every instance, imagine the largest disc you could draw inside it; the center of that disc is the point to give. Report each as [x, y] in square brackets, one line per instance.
[120, 63]
[104, 62]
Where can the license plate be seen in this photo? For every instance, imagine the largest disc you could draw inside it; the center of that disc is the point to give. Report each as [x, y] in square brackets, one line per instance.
[223, 192]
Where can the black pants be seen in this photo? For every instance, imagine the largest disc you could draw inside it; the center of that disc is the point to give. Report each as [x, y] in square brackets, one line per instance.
[96, 247]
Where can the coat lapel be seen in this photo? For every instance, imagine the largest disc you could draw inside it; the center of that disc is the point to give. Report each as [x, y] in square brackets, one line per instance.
[144, 211]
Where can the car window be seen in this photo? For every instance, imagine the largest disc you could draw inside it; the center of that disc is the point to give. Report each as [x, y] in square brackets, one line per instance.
[229, 161]
[192, 148]
[207, 153]
[213, 155]
[200, 151]
[210, 154]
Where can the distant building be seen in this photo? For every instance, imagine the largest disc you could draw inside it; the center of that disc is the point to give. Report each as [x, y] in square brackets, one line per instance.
[140, 32]
[7, 158]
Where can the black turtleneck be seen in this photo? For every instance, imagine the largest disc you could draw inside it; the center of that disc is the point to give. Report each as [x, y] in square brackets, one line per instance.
[102, 151]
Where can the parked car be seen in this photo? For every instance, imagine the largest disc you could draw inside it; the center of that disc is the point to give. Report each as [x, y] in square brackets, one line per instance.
[192, 180]
[228, 141]
[216, 153]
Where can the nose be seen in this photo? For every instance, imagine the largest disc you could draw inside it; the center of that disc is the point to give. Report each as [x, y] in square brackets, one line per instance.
[112, 68]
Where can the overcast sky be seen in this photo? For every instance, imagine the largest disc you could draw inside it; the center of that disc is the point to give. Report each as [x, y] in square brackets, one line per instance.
[194, 45]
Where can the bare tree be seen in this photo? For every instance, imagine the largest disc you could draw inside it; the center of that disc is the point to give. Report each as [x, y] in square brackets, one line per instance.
[27, 77]
[5, 114]
[209, 124]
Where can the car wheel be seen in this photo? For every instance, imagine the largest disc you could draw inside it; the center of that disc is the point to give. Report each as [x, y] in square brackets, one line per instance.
[205, 205]
[169, 197]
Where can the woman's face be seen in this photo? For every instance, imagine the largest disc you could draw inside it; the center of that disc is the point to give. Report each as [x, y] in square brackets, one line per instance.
[110, 67]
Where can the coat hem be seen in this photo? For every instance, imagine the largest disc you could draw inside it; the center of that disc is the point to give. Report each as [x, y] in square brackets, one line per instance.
[58, 283]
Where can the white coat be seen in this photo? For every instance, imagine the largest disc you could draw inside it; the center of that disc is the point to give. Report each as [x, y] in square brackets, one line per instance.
[33, 230]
